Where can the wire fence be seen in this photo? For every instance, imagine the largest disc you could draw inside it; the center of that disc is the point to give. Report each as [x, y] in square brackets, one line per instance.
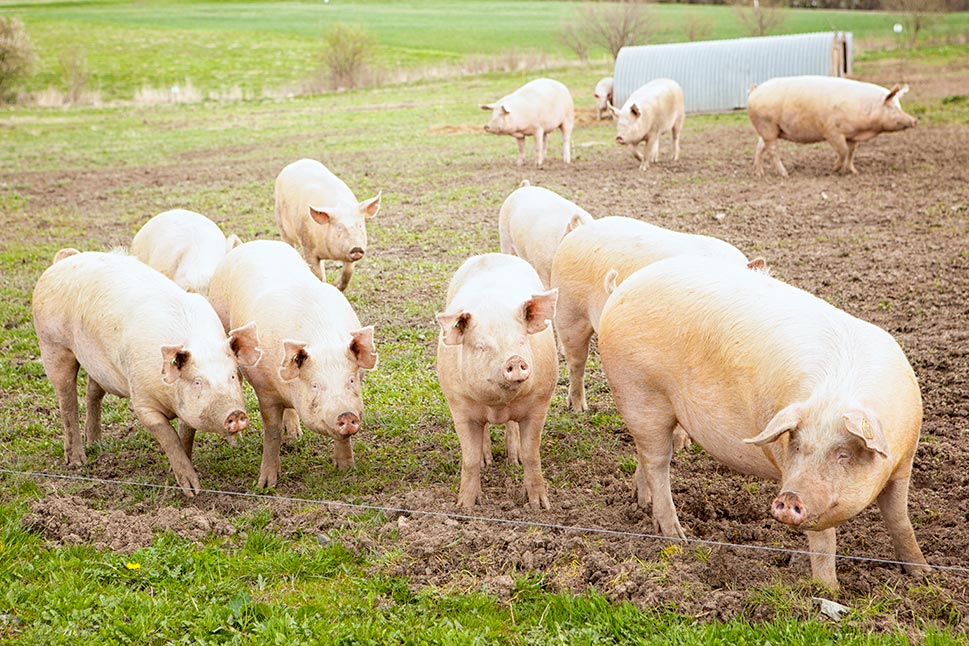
[360, 507]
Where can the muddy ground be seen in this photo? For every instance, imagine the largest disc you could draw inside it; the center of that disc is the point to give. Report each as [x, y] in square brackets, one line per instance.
[890, 245]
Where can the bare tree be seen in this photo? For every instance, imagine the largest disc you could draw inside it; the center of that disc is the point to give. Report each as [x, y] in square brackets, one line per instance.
[75, 69]
[760, 17]
[615, 25]
[17, 57]
[916, 15]
[570, 35]
[696, 26]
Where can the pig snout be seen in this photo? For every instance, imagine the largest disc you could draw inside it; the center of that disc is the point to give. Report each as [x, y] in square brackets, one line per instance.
[516, 370]
[234, 424]
[356, 254]
[620, 140]
[789, 508]
[347, 424]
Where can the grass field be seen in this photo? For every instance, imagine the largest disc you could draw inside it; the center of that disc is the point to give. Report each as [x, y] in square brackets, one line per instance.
[259, 572]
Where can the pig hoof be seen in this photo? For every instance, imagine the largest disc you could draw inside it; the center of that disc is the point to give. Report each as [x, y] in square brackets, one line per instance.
[344, 465]
[268, 480]
[76, 459]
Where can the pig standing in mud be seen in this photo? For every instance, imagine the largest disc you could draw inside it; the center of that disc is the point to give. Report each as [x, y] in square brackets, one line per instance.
[582, 263]
[603, 97]
[185, 246]
[535, 109]
[317, 211]
[532, 222]
[772, 382]
[653, 109]
[139, 335]
[809, 109]
[497, 364]
[315, 349]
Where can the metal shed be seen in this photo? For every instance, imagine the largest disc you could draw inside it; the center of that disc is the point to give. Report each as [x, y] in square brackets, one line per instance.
[716, 75]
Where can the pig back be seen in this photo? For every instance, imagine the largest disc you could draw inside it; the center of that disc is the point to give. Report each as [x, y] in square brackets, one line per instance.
[306, 183]
[544, 102]
[183, 245]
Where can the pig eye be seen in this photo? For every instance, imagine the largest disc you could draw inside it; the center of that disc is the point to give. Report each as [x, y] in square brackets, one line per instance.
[316, 385]
[197, 382]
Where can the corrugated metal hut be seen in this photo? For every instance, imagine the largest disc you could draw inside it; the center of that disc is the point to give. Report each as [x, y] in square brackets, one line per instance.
[716, 75]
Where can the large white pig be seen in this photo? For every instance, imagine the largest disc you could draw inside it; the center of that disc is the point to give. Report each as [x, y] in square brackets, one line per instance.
[532, 222]
[185, 246]
[535, 109]
[139, 335]
[584, 259]
[772, 382]
[809, 109]
[315, 349]
[653, 109]
[603, 97]
[497, 364]
[317, 211]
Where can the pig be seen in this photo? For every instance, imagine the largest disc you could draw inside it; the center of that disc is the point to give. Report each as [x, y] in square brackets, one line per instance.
[603, 97]
[809, 109]
[772, 382]
[653, 109]
[582, 263]
[317, 211]
[535, 109]
[185, 246]
[531, 223]
[315, 349]
[497, 364]
[139, 335]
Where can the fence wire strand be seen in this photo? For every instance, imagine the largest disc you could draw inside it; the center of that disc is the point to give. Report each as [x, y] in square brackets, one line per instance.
[402, 511]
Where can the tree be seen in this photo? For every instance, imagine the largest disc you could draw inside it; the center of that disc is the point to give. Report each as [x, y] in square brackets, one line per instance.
[17, 57]
[916, 15]
[760, 17]
[347, 54]
[609, 25]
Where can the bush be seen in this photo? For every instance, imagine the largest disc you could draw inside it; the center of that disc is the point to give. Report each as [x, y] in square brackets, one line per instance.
[17, 57]
[611, 26]
[347, 54]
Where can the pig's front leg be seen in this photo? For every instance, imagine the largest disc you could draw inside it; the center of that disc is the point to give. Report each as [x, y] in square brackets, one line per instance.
[521, 149]
[342, 454]
[531, 437]
[540, 146]
[345, 276]
[186, 435]
[470, 436]
[92, 423]
[171, 444]
[822, 547]
[893, 504]
[272, 433]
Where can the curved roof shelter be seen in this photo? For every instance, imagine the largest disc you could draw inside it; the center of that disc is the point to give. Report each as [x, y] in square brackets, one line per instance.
[716, 75]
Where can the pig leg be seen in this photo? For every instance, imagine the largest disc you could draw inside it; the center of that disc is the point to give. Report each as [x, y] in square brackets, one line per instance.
[513, 442]
[186, 434]
[681, 440]
[574, 335]
[840, 145]
[486, 458]
[315, 264]
[893, 504]
[521, 149]
[292, 429]
[470, 436]
[654, 148]
[171, 444]
[567, 142]
[540, 146]
[677, 127]
[638, 155]
[531, 436]
[92, 422]
[343, 454]
[345, 275]
[61, 366]
[822, 547]
[759, 156]
[850, 163]
[272, 424]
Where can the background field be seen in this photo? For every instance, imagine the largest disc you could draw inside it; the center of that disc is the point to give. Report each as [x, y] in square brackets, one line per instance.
[111, 563]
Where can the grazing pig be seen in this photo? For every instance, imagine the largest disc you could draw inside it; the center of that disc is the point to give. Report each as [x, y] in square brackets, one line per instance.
[583, 261]
[772, 382]
[653, 109]
[532, 223]
[185, 246]
[809, 109]
[315, 349]
[139, 335]
[535, 109]
[318, 212]
[603, 96]
[496, 363]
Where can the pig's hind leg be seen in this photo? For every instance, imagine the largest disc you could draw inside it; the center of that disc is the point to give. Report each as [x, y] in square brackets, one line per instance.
[893, 504]
[292, 429]
[344, 275]
[840, 145]
[61, 366]
[92, 422]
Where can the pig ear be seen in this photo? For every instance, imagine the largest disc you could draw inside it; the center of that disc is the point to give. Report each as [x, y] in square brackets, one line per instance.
[897, 92]
[504, 109]
[320, 216]
[294, 356]
[487, 108]
[362, 349]
[231, 242]
[865, 425]
[574, 223]
[174, 358]
[784, 421]
[453, 326]
[369, 208]
[610, 281]
[245, 345]
[757, 264]
[539, 310]
[634, 109]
